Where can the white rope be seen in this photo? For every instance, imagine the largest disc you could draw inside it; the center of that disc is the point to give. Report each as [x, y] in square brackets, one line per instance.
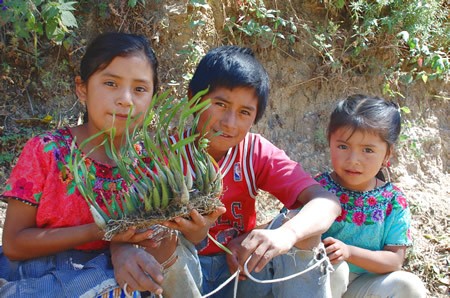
[282, 278]
[235, 275]
[128, 295]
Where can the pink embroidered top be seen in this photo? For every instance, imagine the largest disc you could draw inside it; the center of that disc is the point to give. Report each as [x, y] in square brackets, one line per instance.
[42, 179]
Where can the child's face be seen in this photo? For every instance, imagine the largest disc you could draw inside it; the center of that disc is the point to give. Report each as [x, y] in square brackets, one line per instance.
[232, 112]
[357, 158]
[109, 95]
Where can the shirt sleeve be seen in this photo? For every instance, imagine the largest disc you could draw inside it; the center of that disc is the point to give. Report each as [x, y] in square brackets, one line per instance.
[27, 178]
[398, 222]
[277, 174]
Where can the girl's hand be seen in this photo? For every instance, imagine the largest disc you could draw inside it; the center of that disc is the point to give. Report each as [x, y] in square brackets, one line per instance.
[136, 237]
[337, 251]
[195, 229]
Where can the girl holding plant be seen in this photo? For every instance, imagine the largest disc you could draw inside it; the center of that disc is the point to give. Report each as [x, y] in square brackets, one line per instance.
[51, 245]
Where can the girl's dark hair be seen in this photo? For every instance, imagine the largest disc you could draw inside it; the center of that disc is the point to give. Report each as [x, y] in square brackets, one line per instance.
[368, 114]
[107, 46]
[231, 67]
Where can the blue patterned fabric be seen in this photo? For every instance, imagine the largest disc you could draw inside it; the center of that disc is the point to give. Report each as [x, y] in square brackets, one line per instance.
[71, 273]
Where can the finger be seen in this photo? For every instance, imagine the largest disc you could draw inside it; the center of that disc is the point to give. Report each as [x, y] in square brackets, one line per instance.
[255, 260]
[242, 276]
[263, 260]
[246, 253]
[233, 264]
[218, 212]
[149, 243]
[185, 225]
[171, 225]
[331, 248]
[148, 276]
[250, 261]
[125, 236]
[153, 272]
[129, 282]
[328, 241]
[141, 236]
[179, 223]
[213, 216]
[337, 259]
[196, 217]
[334, 256]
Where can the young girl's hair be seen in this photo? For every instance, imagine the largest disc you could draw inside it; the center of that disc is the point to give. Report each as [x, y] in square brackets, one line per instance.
[368, 114]
[107, 46]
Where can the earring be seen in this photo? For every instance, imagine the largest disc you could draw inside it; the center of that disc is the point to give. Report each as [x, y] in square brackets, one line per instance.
[385, 169]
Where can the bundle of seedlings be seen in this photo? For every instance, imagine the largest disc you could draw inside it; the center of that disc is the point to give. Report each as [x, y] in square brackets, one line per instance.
[159, 185]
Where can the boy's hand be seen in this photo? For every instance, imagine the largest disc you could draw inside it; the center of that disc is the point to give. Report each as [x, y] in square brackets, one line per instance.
[261, 245]
[232, 261]
[195, 229]
[337, 251]
[136, 268]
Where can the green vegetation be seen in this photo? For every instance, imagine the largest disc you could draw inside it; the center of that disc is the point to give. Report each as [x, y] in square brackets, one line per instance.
[414, 35]
[263, 26]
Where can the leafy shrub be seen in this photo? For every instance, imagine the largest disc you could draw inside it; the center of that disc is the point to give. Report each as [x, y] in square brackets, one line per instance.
[33, 18]
[416, 32]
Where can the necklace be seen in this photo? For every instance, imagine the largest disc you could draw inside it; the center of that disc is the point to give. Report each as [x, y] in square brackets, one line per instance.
[336, 178]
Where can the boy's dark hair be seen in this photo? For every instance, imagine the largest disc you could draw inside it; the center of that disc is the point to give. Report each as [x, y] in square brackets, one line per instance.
[231, 67]
[370, 114]
[105, 47]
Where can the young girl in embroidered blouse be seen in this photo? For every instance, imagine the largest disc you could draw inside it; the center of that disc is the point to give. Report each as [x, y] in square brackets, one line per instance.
[51, 245]
[372, 232]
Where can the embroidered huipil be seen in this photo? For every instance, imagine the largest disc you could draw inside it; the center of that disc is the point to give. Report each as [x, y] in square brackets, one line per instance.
[42, 179]
[371, 219]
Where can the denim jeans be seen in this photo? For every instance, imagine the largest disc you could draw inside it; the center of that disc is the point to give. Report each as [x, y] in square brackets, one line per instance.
[314, 283]
[90, 274]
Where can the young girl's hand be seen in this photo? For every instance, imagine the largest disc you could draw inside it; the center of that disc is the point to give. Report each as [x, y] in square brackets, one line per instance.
[337, 251]
[195, 229]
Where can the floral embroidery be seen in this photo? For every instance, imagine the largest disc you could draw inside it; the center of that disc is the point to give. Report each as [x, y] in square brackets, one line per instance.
[358, 218]
[388, 209]
[377, 215]
[370, 219]
[372, 201]
[342, 216]
[387, 194]
[359, 202]
[365, 208]
[402, 201]
[344, 198]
